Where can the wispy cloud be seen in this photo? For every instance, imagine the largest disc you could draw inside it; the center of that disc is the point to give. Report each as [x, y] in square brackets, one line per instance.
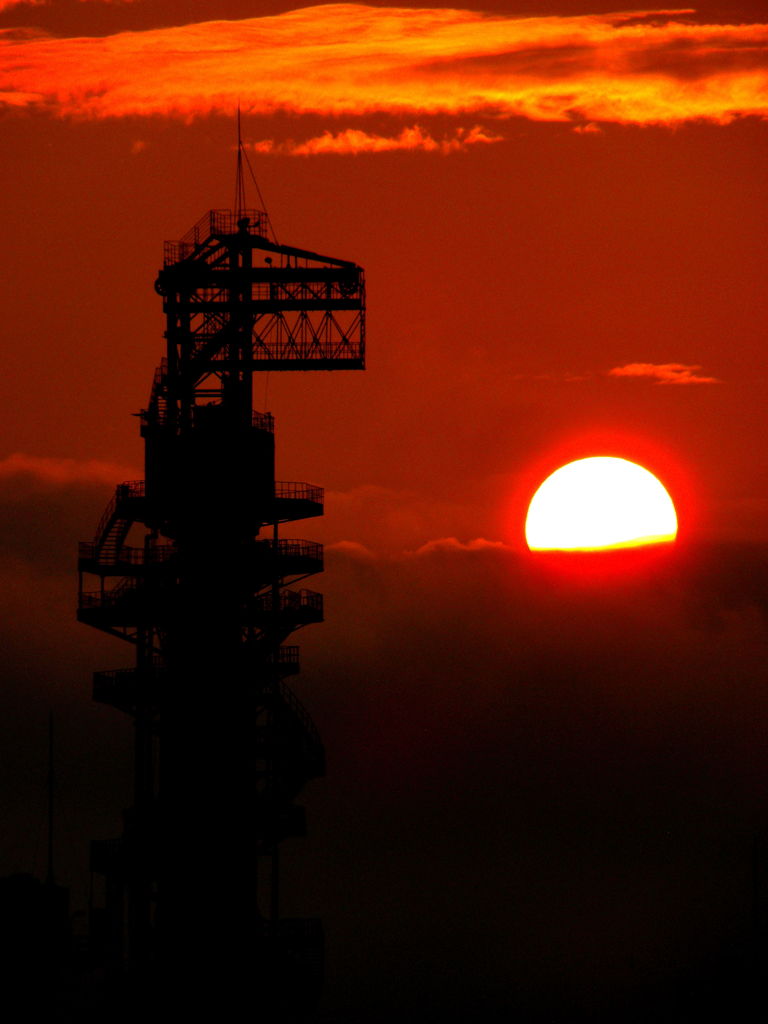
[352, 549]
[354, 140]
[62, 472]
[453, 544]
[590, 128]
[664, 373]
[5, 4]
[348, 59]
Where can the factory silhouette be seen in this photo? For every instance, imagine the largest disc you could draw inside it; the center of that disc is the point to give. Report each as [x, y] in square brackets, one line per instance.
[190, 567]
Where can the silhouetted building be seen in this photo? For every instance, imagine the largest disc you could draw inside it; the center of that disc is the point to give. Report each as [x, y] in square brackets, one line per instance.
[35, 941]
[190, 568]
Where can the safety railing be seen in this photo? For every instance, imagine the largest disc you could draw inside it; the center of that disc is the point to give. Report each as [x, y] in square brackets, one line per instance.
[291, 601]
[288, 656]
[308, 549]
[106, 518]
[215, 222]
[159, 416]
[285, 489]
[130, 489]
[123, 492]
[263, 421]
[298, 709]
[89, 551]
[108, 598]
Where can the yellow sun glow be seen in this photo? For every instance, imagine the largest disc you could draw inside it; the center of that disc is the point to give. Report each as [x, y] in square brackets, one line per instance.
[600, 502]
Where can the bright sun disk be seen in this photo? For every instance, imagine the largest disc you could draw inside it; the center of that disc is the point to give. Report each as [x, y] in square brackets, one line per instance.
[599, 502]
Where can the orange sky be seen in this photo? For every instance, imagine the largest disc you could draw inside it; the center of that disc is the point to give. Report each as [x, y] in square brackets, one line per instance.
[563, 221]
[559, 215]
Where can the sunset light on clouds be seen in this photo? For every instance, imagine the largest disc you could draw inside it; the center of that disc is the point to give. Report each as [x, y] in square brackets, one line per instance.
[5, 4]
[664, 373]
[354, 140]
[561, 212]
[632, 68]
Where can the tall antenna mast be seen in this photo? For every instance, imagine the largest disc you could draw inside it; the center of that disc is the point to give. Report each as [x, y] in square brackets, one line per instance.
[239, 178]
[243, 162]
[209, 602]
[49, 877]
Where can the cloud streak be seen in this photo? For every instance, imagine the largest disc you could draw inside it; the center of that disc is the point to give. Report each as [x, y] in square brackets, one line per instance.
[664, 373]
[47, 505]
[58, 472]
[354, 140]
[350, 59]
[5, 4]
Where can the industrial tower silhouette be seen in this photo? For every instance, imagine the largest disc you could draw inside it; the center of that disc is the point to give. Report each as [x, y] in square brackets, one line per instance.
[189, 567]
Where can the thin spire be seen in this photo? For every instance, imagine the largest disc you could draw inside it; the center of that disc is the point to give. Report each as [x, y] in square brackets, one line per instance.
[49, 877]
[239, 179]
[244, 162]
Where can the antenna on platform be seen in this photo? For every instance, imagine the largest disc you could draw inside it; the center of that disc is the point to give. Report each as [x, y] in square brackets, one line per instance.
[242, 163]
[236, 304]
[239, 180]
[49, 876]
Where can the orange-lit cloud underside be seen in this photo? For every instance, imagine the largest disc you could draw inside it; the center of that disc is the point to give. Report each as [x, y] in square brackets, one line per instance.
[349, 59]
[664, 373]
[4, 4]
[354, 140]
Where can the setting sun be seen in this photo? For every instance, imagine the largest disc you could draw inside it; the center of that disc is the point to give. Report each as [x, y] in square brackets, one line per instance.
[598, 503]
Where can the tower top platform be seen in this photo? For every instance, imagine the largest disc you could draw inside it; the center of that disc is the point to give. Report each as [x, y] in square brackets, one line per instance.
[289, 308]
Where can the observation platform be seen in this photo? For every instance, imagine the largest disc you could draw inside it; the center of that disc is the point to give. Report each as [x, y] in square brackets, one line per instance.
[294, 501]
[130, 604]
[293, 609]
[288, 558]
[123, 561]
[118, 687]
[225, 280]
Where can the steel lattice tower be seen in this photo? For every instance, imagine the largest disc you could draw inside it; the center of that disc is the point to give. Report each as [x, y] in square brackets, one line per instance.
[208, 593]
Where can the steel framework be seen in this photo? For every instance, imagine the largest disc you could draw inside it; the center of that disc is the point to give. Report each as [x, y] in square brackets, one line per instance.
[190, 568]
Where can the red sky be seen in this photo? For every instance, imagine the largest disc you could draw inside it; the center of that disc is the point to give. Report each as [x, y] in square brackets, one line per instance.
[539, 203]
[562, 217]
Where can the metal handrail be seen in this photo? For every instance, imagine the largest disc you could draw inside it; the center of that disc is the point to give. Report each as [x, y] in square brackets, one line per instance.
[126, 490]
[298, 491]
[114, 674]
[129, 555]
[291, 600]
[106, 517]
[290, 548]
[215, 222]
[288, 654]
[263, 421]
[160, 415]
[108, 598]
[130, 489]
[302, 714]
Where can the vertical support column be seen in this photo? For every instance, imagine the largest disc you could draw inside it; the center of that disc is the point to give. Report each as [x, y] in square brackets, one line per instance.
[141, 838]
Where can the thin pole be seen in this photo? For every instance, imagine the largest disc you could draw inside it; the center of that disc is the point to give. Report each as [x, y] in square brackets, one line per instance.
[239, 179]
[49, 878]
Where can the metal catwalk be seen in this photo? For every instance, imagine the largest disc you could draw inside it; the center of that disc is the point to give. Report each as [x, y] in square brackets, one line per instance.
[190, 566]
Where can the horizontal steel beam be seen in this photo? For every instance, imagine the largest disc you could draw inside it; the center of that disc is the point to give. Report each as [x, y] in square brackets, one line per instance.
[262, 306]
